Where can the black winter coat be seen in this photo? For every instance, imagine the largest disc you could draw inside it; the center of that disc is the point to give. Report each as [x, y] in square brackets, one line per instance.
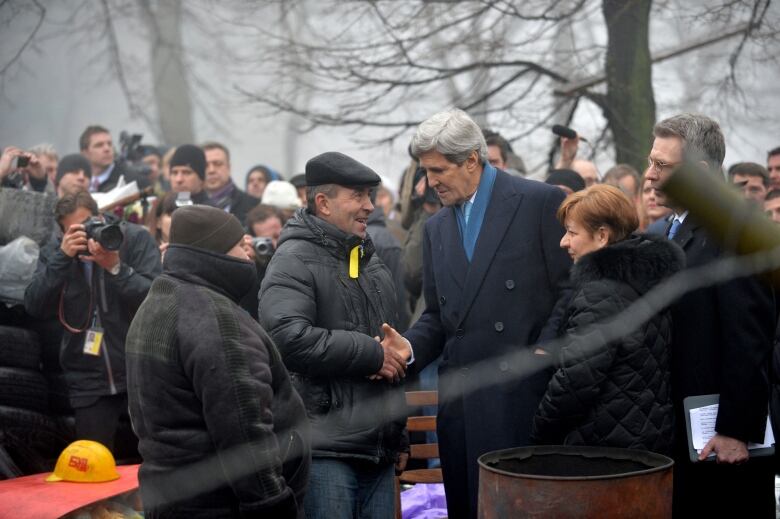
[324, 323]
[60, 283]
[241, 203]
[221, 430]
[616, 394]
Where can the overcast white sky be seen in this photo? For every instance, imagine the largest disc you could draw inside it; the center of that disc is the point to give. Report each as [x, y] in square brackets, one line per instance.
[57, 92]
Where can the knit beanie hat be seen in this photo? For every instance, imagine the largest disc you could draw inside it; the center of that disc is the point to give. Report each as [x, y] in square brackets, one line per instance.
[71, 164]
[192, 156]
[205, 227]
[281, 194]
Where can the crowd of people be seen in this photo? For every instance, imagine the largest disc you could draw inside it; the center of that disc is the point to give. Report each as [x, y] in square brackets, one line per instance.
[260, 339]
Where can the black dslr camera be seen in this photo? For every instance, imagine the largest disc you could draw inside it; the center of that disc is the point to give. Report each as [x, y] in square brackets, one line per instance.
[264, 246]
[108, 235]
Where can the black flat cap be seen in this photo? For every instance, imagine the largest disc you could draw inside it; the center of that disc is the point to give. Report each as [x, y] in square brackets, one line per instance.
[336, 168]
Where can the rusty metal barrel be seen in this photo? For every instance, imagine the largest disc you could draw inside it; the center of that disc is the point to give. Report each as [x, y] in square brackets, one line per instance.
[573, 481]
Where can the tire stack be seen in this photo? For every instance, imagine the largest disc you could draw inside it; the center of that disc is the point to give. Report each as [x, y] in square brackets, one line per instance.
[30, 440]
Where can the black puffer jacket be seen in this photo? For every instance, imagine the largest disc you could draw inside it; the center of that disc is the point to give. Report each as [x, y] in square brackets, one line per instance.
[324, 322]
[60, 284]
[616, 394]
[221, 430]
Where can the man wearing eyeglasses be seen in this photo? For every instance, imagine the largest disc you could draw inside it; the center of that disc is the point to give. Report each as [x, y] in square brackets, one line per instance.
[722, 338]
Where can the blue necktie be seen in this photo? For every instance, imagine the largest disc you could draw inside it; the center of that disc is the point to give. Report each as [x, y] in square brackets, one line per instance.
[467, 210]
[676, 223]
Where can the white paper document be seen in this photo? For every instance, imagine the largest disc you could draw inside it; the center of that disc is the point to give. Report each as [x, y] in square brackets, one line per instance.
[703, 428]
[121, 191]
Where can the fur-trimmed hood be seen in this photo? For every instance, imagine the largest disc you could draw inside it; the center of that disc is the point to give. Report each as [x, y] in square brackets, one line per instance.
[641, 261]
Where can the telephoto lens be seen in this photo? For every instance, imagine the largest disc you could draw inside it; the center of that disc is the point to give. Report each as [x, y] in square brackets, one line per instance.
[108, 235]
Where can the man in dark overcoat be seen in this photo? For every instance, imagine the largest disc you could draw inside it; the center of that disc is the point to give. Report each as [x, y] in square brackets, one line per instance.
[493, 272]
[722, 338]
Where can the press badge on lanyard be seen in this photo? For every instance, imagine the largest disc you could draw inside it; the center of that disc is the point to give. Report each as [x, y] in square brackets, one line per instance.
[94, 337]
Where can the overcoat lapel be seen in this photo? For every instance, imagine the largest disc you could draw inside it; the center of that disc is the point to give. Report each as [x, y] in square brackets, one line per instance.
[455, 255]
[504, 202]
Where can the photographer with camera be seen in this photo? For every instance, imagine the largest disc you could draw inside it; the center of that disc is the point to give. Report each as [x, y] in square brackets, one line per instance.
[93, 276]
[21, 169]
[265, 224]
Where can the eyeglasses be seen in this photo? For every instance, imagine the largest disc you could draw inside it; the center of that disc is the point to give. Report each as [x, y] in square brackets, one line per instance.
[659, 166]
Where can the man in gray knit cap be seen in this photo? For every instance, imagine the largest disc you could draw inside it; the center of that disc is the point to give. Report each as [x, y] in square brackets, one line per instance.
[221, 430]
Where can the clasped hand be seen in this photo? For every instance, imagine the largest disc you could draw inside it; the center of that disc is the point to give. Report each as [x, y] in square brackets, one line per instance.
[397, 352]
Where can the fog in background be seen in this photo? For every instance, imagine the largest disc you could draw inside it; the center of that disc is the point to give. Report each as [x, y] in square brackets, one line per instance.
[66, 78]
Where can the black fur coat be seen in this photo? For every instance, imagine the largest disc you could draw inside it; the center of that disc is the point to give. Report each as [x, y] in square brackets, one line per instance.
[615, 393]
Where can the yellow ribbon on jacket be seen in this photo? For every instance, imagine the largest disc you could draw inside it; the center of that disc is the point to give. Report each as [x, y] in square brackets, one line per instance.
[354, 260]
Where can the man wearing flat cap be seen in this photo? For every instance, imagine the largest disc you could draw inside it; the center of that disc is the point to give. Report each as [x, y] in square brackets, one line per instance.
[325, 299]
[222, 432]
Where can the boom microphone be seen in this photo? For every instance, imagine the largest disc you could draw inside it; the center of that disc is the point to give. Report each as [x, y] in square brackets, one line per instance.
[565, 131]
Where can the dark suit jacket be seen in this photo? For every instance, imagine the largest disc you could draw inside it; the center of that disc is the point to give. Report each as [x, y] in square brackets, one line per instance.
[479, 312]
[659, 226]
[241, 203]
[112, 180]
[722, 339]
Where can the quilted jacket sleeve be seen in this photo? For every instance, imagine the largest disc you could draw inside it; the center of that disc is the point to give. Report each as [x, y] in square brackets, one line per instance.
[585, 361]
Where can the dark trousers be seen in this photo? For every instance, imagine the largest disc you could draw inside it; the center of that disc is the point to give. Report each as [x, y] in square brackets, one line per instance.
[99, 420]
[709, 489]
[460, 488]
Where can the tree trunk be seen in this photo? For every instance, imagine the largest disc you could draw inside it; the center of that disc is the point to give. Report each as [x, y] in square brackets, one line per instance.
[171, 85]
[629, 103]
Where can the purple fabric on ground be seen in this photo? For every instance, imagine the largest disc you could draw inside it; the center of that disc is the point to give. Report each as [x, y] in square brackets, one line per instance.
[424, 501]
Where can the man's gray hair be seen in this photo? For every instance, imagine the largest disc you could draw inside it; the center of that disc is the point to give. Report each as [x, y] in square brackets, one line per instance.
[329, 190]
[45, 150]
[453, 134]
[702, 137]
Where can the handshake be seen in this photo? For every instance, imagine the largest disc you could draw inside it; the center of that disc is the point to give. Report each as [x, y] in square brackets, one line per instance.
[397, 352]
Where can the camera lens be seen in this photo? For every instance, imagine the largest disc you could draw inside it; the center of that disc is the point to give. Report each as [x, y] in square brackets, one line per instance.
[109, 237]
[263, 246]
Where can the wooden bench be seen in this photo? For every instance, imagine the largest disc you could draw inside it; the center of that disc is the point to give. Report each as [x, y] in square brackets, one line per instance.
[419, 451]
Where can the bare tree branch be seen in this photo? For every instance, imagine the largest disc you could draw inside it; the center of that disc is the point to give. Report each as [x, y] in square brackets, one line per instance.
[113, 47]
[29, 39]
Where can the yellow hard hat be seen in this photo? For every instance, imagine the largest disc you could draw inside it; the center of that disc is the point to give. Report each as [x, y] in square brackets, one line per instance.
[85, 461]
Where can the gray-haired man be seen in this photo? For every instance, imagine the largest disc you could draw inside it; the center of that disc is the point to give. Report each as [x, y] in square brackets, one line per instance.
[493, 271]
